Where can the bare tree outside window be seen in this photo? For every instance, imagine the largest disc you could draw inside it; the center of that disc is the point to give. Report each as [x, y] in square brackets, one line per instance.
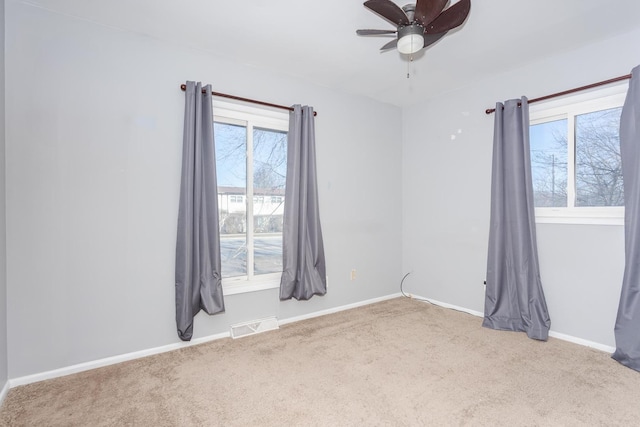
[269, 177]
[266, 160]
[598, 161]
[231, 173]
[269, 159]
[598, 170]
[548, 142]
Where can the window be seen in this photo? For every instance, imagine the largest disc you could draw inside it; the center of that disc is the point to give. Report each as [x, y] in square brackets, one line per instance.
[575, 158]
[251, 160]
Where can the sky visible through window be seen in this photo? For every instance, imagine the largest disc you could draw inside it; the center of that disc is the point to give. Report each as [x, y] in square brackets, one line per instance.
[597, 177]
[231, 148]
[548, 143]
[268, 166]
[598, 160]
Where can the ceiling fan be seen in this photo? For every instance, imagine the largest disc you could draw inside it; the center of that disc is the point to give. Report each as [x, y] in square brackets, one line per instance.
[419, 25]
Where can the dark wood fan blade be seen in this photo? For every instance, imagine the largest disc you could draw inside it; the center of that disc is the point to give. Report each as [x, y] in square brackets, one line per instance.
[432, 38]
[374, 32]
[428, 10]
[391, 45]
[450, 18]
[389, 11]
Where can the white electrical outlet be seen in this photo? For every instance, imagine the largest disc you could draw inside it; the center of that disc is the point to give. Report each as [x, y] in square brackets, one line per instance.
[353, 274]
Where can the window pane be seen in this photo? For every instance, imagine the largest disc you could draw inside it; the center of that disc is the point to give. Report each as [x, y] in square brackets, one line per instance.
[231, 173]
[269, 173]
[549, 163]
[598, 163]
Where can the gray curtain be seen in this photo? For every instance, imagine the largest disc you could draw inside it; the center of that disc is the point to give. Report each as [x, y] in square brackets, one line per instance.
[304, 271]
[514, 299]
[198, 278]
[627, 329]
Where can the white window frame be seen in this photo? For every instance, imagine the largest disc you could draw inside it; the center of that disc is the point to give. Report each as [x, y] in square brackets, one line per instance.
[567, 108]
[250, 117]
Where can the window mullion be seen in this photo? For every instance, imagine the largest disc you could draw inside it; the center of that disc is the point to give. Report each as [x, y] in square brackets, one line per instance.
[571, 160]
[241, 273]
[250, 254]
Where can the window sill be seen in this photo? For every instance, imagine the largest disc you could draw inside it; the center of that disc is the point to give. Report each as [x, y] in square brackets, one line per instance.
[235, 286]
[582, 216]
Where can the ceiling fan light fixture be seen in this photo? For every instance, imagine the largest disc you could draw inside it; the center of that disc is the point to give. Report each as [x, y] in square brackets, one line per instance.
[412, 19]
[410, 39]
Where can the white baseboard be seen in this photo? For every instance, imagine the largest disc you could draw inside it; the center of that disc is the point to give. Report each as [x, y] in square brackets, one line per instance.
[81, 367]
[73, 369]
[337, 309]
[4, 392]
[447, 305]
[554, 334]
[580, 341]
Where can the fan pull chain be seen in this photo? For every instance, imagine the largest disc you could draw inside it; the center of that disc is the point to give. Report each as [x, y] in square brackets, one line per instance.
[409, 66]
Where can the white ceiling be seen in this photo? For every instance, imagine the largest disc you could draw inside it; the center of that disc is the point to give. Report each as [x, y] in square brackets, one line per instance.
[316, 40]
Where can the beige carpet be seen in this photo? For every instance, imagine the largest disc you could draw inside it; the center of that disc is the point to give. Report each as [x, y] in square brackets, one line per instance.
[398, 362]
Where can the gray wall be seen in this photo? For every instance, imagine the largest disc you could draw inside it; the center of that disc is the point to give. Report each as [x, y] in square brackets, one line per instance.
[93, 144]
[3, 254]
[446, 194]
[94, 134]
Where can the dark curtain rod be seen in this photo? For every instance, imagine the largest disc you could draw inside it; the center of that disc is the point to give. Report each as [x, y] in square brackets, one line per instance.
[567, 92]
[253, 101]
